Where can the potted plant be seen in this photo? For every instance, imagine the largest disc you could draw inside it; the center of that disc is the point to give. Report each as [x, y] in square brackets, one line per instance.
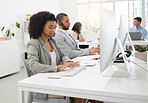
[8, 32]
[141, 52]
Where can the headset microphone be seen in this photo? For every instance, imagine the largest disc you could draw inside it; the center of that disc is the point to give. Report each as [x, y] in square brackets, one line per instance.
[47, 35]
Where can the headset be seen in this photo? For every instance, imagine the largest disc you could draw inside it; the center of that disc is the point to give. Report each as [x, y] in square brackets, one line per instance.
[60, 23]
[48, 35]
[120, 57]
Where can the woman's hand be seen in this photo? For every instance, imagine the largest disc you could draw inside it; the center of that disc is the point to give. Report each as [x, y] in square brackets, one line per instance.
[68, 64]
[95, 50]
[82, 40]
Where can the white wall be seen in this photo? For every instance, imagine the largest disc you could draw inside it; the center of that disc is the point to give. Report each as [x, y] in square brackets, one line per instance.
[16, 10]
[11, 10]
[69, 7]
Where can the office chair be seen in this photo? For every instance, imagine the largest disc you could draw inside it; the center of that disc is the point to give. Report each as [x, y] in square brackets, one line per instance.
[83, 46]
[30, 95]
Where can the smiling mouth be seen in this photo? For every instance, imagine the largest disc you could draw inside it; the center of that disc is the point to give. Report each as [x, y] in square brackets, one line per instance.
[52, 34]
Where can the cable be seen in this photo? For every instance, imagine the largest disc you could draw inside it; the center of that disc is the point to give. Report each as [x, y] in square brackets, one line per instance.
[139, 66]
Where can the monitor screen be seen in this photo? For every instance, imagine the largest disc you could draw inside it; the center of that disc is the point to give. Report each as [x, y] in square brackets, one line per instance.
[123, 28]
[108, 35]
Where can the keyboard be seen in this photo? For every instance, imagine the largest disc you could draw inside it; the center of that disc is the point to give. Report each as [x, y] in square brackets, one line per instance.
[87, 58]
[69, 72]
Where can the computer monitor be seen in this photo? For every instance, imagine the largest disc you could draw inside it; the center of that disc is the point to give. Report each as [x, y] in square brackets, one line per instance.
[123, 28]
[123, 31]
[109, 45]
[108, 35]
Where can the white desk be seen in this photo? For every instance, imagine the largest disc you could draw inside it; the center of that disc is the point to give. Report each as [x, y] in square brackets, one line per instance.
[90, 84]
[91, 44]
[138, 42]
[96, 43]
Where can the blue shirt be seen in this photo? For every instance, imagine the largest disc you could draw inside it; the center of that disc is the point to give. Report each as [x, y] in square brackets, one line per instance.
[140, 29]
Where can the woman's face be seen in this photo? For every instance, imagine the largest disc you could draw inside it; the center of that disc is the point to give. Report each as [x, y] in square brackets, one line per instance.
[49, 28]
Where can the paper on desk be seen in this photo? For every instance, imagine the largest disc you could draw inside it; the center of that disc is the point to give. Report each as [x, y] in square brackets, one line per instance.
[92, 57]
[53, 76]
[88, 63]
[88, 60]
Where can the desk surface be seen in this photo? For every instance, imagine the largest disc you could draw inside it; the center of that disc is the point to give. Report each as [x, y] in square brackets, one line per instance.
[87, 43]
[91, 84]
[137, 42]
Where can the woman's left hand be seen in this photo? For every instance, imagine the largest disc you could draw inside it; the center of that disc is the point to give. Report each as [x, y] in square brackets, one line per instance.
[74, 64]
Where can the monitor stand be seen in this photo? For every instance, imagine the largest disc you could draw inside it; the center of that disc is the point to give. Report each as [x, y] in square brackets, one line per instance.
[131, 42]
[122, 70]
[116, 70]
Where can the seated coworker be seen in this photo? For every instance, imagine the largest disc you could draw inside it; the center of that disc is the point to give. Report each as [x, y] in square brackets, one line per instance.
[43, 54]
[66, 42]
[138, 28]
[77, 32]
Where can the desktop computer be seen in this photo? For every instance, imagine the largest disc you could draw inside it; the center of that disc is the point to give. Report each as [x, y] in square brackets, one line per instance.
[108, 34]
[109, 44]
[123, 31]
[123, 28]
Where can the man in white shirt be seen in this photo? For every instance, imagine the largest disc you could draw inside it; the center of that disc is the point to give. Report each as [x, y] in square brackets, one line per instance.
[66, 42]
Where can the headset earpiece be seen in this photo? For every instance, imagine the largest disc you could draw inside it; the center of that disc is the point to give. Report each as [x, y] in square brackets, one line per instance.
[60, 23]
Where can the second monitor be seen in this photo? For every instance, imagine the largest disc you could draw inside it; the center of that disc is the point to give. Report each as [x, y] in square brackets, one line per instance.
[109, 45]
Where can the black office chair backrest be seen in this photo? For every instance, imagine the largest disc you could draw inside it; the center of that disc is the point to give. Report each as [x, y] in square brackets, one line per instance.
[25, 61]
[27, 67]
[30, 95]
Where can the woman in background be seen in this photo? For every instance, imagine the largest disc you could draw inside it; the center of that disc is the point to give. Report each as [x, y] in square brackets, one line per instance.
[77, 32]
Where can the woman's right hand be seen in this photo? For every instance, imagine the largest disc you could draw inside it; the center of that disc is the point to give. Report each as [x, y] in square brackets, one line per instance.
[95, 50]
[68, 64]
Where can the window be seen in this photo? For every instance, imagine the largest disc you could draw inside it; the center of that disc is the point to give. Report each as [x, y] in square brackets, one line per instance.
[146, 14]
[89, 11]
[121, 8]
